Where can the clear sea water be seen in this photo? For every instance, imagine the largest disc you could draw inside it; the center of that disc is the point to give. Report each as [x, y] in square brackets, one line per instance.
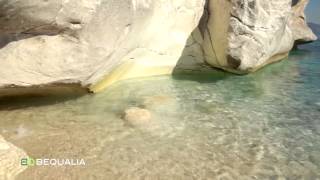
[264, 125]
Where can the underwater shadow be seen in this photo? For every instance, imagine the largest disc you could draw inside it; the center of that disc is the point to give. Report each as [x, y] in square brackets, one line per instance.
[313, 47]
[192, 66]
[19, 98]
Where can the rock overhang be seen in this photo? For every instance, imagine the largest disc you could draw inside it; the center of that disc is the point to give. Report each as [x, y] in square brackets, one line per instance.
[97, 43]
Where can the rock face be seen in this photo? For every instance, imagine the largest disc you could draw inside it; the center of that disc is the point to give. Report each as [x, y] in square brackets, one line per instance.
[297, 22]
[91, 44]
[80, 42]
[10, 157]
[258, 33]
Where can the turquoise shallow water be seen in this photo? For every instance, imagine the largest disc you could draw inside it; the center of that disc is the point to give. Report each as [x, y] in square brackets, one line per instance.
[204, 126]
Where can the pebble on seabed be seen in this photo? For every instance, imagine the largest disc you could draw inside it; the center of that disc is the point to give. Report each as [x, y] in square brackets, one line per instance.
[137, 116]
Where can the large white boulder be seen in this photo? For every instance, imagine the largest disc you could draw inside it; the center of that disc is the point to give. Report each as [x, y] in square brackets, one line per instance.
[91, 43]
[245, 35]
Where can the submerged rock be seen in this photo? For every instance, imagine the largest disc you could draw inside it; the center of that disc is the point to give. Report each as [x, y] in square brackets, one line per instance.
[10, 158]
[137, 116]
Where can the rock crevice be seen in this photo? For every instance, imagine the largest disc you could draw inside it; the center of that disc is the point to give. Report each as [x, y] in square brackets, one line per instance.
[96, 43]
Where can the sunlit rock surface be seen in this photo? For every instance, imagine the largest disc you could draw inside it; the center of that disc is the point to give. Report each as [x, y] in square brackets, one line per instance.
[81, 42]
[10, 157]
[245, 35]
[92, 44]
[301, 31]
[260, 126]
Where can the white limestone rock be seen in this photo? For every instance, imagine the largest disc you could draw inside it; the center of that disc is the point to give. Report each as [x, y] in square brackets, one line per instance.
[260, 32]
[82, 42]
[91, 44]
[298, 24]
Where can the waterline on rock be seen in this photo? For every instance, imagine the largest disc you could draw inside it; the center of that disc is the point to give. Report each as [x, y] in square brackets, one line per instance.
[263, 125]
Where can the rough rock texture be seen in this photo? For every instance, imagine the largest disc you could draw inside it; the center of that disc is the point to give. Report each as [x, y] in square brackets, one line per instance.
[10, 157]
[260, 32]
[92, 44]
[71, 41]
[298, 24]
